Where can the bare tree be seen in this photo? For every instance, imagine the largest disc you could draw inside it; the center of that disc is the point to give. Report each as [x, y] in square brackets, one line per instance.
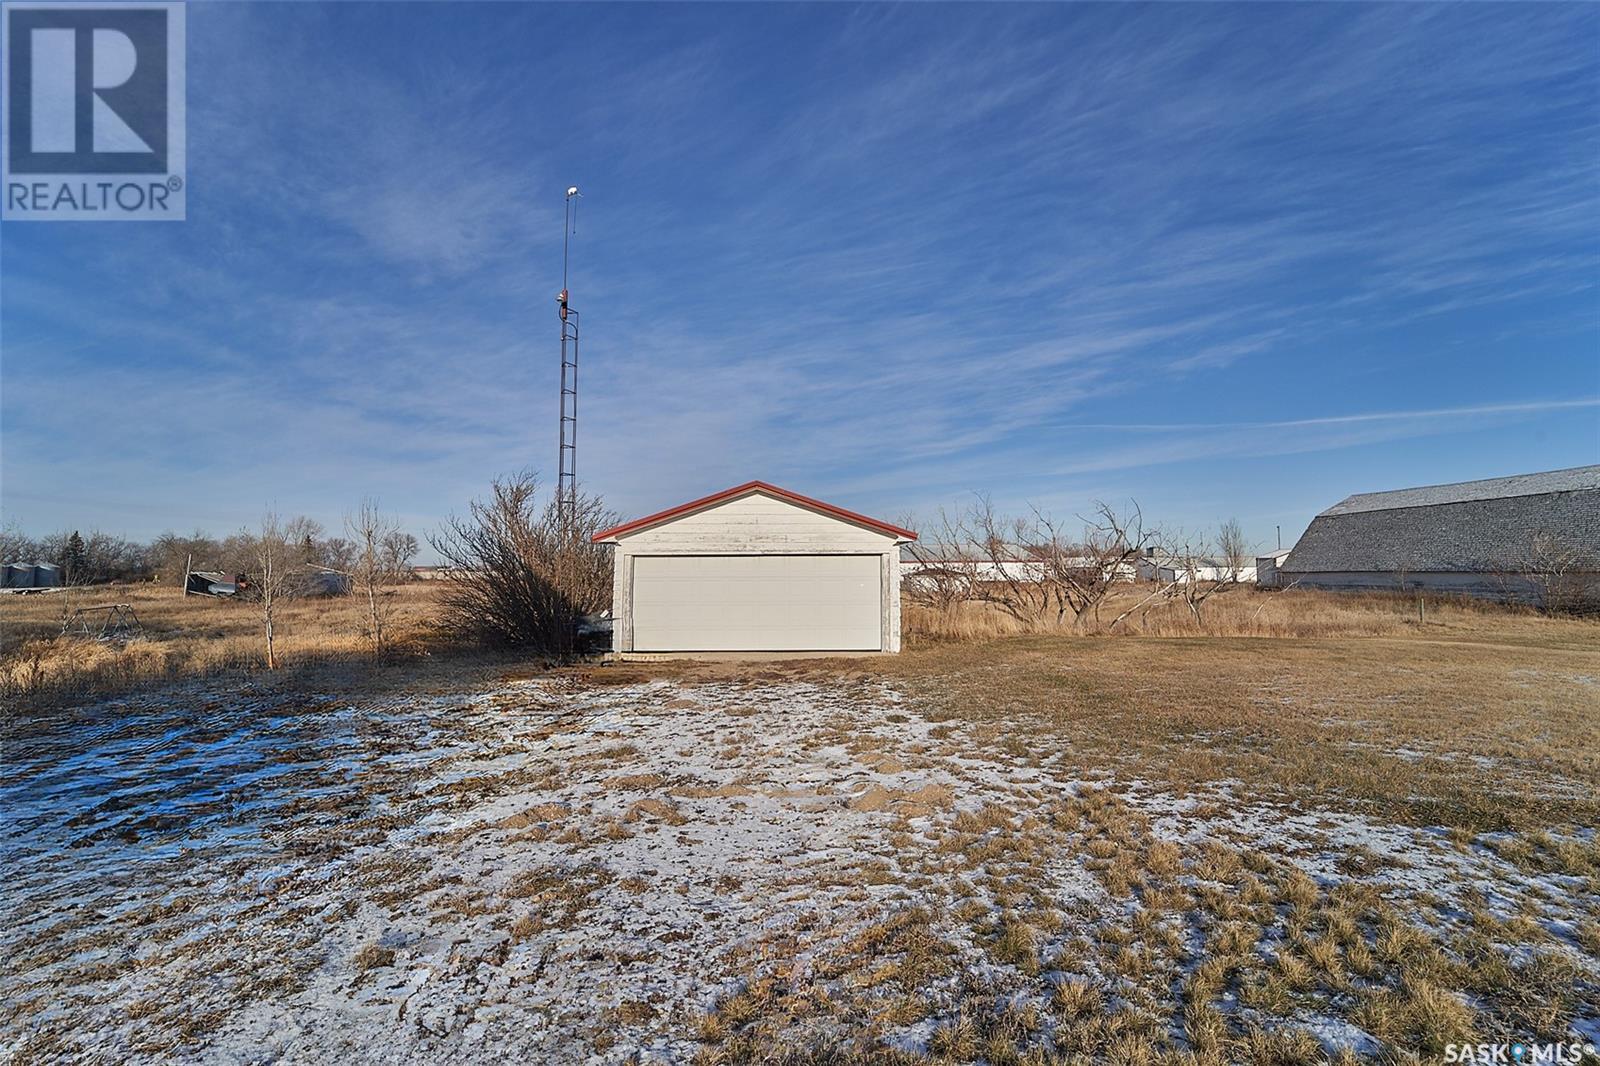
[1162, 593]
[305, 534]
[276, 557]
[340, 553]
[1564, 576]
[16, 546]
[1031, 567]
[941, 573]
[1202, 568]
[1007, 571]
[1233, 551]
[236, 554]
[399, 548]
[169, 552]
[372, 569]
[1082, 571]
[521, 575]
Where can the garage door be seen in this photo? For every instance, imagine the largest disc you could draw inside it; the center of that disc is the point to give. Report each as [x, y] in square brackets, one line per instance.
[756, 603]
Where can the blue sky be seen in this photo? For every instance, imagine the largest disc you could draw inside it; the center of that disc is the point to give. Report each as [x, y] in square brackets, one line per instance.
[1228, 261]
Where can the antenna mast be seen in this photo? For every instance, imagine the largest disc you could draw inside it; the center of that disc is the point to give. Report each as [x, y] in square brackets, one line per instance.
[567, 464]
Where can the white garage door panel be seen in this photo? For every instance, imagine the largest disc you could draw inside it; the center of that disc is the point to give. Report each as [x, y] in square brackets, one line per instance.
[756, 603]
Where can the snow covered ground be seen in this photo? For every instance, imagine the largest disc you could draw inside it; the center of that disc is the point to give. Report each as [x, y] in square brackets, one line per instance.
[560, 870]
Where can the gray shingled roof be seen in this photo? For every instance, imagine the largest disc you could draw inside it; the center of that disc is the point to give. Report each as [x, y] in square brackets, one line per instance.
[1495, 488]
[1468, 526]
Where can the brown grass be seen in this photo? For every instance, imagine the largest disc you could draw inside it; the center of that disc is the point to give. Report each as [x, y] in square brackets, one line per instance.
[1208, 938]
[187, 636]
[1374, 714]
[657, 809]
[1245, 611]
[372, 956]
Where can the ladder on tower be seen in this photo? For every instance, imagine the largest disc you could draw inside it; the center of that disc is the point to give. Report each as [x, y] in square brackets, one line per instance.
[567, 466]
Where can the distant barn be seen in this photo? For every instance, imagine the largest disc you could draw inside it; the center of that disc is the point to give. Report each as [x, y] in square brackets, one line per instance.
[1267, 565]
[1530, 538]
[1165, 569]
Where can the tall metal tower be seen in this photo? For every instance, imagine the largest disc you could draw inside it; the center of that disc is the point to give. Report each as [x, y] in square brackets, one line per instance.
[567, 464]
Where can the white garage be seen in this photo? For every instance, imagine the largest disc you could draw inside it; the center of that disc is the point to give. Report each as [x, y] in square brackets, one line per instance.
[756, 568]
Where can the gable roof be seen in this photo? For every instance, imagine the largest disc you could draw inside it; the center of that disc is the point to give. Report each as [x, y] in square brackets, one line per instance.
[1495, 488]
[748, 488]
[1470, 526]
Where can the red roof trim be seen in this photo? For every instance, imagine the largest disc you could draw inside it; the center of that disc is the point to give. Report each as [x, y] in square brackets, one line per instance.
[743, 490]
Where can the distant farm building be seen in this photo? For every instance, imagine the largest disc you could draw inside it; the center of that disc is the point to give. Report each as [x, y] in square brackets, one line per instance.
[1267, 569]
[1530, 538]
[325, 581]
[1166, 569]
[212, 583]
[1008, 562]
[755, 568]
[26, 577]
[1012, 562]
[431, 573]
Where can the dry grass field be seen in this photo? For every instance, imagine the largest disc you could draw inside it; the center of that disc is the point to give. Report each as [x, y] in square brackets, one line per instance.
[190, 636]
[186, 636]
[1323, 831]
[1244, 611]
[1476, 715]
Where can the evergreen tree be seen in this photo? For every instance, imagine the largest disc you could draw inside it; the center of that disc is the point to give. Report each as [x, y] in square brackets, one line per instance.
[74, 560]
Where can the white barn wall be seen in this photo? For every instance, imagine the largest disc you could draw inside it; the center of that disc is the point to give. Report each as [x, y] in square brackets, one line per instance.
[1166, 573]
[1267, 573]
[981, 569]
[1012, 569]
[1513, 587]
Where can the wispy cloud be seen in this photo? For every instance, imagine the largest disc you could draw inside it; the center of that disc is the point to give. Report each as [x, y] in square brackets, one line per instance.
[1476, 411]
[890, 253]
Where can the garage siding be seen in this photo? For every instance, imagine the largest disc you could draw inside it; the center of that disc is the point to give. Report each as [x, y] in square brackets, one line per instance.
[753, 524]
[680, 607]
[757, 603]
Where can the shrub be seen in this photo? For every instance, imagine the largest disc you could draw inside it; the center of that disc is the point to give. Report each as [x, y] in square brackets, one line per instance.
[523, 576]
